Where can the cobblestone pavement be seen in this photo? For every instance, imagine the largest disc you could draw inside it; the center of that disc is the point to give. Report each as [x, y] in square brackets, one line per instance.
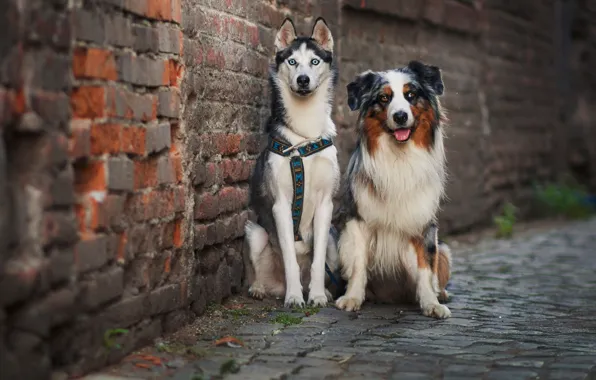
[522, 309]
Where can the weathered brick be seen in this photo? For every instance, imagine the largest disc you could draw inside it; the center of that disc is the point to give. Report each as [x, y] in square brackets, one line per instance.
[158, 137]
[19, 278]
[58, 228]
[166, 298]
[94, 63]
[125, 104]
[56, 308]
[133, 140]
[62, 190]
[434, 11]
[120, 174]
[90, 176]
[165, 171]
[140, 70]
[102, 287]
[61, 265]
[79, 144]
[91, 253]
[169, 103]
[105, 138]
[89, 26]
[146, 39]
[51, 71]
[145, 173]
[52, 108]
[88, 102]
[126, 312]
[119, 32]
[159, 9]
[172, 73]
[460, 17]
[168, 39]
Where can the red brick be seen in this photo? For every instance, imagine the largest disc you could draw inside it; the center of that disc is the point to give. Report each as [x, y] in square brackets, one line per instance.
[159, 9]
[232, 199]
[94, 63]
[434, 11]
[122, 243]
[179, 233]
[133, 140]
[90, 176]
[172, 73]
[176, 11]
[145, 173]
[206, 206]
[105, 138]
[129, 105]
[88, 102]
[176, 160]
[460, 17]
[236, 170]
[79, 144]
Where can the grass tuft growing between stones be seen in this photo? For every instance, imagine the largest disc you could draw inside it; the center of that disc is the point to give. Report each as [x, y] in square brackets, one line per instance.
[287, 319]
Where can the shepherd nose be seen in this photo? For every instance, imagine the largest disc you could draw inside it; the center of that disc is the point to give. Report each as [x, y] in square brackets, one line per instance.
[303, 81]
[400, 117]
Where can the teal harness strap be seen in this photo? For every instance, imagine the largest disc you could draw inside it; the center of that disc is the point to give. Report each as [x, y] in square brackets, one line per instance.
[297, 168]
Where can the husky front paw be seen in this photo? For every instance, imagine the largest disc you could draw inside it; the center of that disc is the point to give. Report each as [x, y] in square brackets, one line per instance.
[348, 303]
[317, 300]
[436, 311]
[257, 291]
[294, 300]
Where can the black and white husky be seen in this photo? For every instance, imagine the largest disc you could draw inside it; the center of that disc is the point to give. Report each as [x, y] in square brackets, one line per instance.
[395, 180]
[296, 177]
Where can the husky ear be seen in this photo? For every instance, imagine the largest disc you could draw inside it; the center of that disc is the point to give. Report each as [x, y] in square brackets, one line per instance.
[322, 34]
[358, 89]
[285, 35]
[429, 76]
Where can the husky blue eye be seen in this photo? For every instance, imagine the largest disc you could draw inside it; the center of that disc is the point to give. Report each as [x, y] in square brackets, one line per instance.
[315, 61]
[291, 61]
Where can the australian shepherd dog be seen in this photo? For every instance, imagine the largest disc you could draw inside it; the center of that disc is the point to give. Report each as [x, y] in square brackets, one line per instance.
[395, 180]
[291, 243]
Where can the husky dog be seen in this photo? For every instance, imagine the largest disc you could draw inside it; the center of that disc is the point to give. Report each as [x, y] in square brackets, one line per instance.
[296, 177]
[395, 180]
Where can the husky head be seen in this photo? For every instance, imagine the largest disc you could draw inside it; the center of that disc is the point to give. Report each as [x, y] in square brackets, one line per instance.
[303, 63]
[403, 102]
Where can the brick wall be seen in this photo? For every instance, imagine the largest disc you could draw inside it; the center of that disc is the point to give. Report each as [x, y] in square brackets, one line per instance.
[128, 131]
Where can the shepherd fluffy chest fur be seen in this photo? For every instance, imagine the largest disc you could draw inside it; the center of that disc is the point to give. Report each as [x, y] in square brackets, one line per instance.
[302, 83]
[395, 180]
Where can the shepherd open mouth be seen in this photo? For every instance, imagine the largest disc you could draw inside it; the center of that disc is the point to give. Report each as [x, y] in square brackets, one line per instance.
[402, 134]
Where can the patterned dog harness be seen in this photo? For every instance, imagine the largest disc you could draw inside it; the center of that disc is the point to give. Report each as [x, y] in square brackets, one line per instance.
[297, 169]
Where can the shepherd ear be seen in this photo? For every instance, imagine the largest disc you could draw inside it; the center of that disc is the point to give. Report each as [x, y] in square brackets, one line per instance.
[359, 88]
[428, 75]
[322, 34]
[286, 35]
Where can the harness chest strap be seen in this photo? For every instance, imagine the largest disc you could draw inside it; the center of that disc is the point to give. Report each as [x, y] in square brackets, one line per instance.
[298, 178]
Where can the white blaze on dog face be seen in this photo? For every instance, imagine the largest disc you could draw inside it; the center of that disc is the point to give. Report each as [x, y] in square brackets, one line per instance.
[302, 62]
[399, 111]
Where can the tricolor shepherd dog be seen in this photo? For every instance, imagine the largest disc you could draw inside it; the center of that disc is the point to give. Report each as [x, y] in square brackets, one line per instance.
[395, 181]
[297, 175]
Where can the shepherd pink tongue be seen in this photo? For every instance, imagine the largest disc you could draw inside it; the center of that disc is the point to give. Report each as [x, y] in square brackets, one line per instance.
[402, 134]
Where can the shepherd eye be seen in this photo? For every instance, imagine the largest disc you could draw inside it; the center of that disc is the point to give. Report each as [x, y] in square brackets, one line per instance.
[292, 62]
[315, 61]
[383, 98]
[410, 95]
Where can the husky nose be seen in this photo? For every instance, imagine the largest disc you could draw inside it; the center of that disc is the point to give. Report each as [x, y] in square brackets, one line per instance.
[303, 81]
[400, 117]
